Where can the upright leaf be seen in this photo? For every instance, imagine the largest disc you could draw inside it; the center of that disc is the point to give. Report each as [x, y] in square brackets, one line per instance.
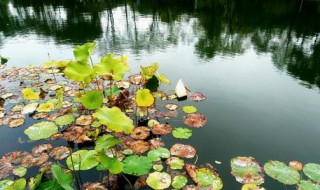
[78, 72]
[148, 71]
[64, 179]
[105, 142]
[83, 53]
[144, 98]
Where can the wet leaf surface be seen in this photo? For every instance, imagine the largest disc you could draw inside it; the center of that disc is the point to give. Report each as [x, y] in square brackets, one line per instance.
[137, 165]
[182, 150]
[247, 170]
[159, 180]
[195, 120]
[281, 172]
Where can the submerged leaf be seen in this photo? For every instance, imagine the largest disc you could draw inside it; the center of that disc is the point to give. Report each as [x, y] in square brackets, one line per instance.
[92, 99]
[114, 119]
[41, 130]
[159, 180]
[281, 172]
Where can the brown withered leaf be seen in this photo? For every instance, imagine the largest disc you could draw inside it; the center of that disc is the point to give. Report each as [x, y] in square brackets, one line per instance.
[5, 168]
[197, 96]
[16, 122]
[156, 143]
[84, 120]
[161, 129]
[60, 152]
[195, 120]
[183, 150]
[29, 160]
[40, 115]
[140, 132]
[171, 106]
[40, 148]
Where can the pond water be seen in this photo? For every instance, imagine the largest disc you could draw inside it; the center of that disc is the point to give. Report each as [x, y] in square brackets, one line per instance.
[258, 63]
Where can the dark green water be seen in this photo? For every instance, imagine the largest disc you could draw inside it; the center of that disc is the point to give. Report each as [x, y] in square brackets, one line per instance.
[258, 62]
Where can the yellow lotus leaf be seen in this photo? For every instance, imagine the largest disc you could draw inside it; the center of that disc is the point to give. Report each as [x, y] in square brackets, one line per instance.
[250, 187]
[46, 107]
[29, 94]
[144, 98]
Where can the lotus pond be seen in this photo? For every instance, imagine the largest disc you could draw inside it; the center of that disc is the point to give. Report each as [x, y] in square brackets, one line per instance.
[76, 115]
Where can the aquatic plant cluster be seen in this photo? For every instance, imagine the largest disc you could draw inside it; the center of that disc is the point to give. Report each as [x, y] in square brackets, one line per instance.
[121, 122]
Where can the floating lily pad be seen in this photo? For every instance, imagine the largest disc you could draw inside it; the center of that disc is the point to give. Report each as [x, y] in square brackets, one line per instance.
[16, 122]
[60, 152]
[251, 187]
[308, 185]
[156, 143]
[157, 166]
[5, 168]
[29, 108]
[140, 133]
[206, 177]
[197, 96]
[29, 160]
[105, 142]
[281, 172]
[139, 146]
[29, 94]
[312, 171]
[195, 120]
[296, 165]
[34, 182]
[182, 133]
[137, 165]
[161, 129]
[114, 119]
[183, 150]
[84, 120]
[159, 180]
[46, 107]
[112, 164]
[82, 160]
[92, 99]
[157, 154]
[247, 170]
[19, 184]
[136, 79]
[41, 130]
[4, 184]
[144, 98]
[40, 148]
[64, 120]
[189, 109]
[179, 181]
[175, 163]
[19, 171]
[171, 107]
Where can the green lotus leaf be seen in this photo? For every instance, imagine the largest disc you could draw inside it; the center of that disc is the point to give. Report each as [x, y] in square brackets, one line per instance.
[175, 163]
[159, 180]
[112, 66]
[182, 133]
[105, 142]
[61, 64]
[49, 64]
[189, 109]
[3, 60]
[20, 184]
[20, 171]
[308, 185]
[137, 165]
[50, 185]
[92, 99]
[206, 177]
[112, 164]
[115, 91]
[4, 184]
[64, 179]
[281, 172]
[114, 119]
[45, 107]
[158, 153]
[41, 130]
[34, 182]
[162, 78]
[59, 96]
[157, 167]
[127, 152]
[78, 72]
[153, 84]
[312, 171]
[83, 53]
[241, 167]
[64, 120]
[179, 181]
[144, 98]
[82, 160]
[29, 94]
[149, 71]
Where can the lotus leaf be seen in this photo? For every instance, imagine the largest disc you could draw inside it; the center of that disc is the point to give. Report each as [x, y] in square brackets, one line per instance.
[82, 53]
[20, 171]
[46, 107]
[140, 132]
[148, 71]
[195, 120]
[3, 60]
[171, 107]
[182, 133]
[78, 72]
[61, 64]
[153, 84]
[158, 167]
[197, 96]
[35, 181]
[179, 181]
[60, 152]
[157, 154]
[308, 185]
[206, 177]
[4, 184]
[64, 179]
[113, 164]
[137, 165]
[183, 150]
[92, 99]
[159, 180]
[152, 122]
[246, 170]
[144, 98]
[115, 91]
[175, 163]
[29, 108]
[20, 184]
[162, 78]
[296, 165]
[113, 67]
[82, 160]
[281, 172]
[105, 142]
[251, 187]
[50, 185]
[189, 109]
[114, 119]
[49, 64]
[312, 171]
[29, 94]
[64, 120]
[41, 130]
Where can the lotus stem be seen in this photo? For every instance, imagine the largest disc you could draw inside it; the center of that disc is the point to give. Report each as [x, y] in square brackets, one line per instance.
[197, 157]
[127, 180]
